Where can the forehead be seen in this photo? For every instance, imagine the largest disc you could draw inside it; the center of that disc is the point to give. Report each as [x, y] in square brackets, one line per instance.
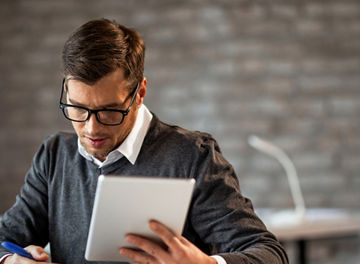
[114, 78]
[110, 89]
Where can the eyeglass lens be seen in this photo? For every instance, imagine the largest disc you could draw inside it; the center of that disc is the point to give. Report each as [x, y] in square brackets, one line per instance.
[81, 114]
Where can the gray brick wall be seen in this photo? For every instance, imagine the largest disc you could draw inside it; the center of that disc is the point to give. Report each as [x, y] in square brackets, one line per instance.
[288, 71]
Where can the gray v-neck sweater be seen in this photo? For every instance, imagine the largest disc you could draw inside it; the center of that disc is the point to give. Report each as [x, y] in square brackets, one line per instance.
[56, 201]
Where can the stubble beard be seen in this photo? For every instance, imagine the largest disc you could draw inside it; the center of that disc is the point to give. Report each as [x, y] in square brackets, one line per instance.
[99, 154]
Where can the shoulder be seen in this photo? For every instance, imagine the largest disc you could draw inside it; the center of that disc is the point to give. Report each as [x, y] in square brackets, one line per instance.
[178, 139]
[61, 139]
[59, 142]
[54, 150]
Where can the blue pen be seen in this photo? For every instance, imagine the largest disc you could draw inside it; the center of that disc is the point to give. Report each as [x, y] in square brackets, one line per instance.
[16, 249]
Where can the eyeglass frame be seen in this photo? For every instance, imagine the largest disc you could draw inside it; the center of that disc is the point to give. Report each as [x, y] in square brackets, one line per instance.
[124, 113]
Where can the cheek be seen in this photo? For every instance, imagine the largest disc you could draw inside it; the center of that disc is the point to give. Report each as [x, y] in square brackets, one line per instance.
[117, 134]
[77, 127]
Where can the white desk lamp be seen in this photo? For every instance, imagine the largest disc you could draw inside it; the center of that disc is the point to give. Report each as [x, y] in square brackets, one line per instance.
[283, 217]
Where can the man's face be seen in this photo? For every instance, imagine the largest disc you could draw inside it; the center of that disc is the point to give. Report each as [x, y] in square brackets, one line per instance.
[110, 92]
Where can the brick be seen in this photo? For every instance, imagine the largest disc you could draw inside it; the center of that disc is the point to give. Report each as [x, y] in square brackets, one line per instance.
[256, 181]
[308, 108]
[225, 68]
[255, 126]
[287, 11]
[279, 86]
[282, 67]
[341, 126]
[300, 126]
[264, 29]
[211, 13]
[349, 199]
[314, 9]
[145, 18]
[347, 28]
[351, 161]
[291, 142]
[253, 66]
[313, 27]
[246, 11]
[320, 65]
[344, 106]
[264, 163]
[321, 180]
[312, 160]
[352, 142]
[315, 84]
[249, 46]
[268, 107]
[344, 9]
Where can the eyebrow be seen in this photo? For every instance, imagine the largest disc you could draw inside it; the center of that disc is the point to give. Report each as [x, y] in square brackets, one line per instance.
[110, 105]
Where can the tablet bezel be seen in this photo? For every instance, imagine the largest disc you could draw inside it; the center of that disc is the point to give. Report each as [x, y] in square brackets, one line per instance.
[164, 199]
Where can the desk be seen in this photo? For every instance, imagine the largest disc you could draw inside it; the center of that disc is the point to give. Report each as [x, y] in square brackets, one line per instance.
[318, 223]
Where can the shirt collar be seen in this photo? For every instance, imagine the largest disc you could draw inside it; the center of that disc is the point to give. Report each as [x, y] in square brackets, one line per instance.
[131, 146]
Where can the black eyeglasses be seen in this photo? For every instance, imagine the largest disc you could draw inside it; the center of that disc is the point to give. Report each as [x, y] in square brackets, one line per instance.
[108, 117]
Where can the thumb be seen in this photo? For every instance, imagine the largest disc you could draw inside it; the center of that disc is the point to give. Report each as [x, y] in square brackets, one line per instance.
[38, 253]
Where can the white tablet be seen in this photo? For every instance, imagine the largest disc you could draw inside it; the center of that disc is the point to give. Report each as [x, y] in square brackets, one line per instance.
[126, 205]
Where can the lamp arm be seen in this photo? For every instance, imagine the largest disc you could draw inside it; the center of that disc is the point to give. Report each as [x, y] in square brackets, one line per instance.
[284, 160]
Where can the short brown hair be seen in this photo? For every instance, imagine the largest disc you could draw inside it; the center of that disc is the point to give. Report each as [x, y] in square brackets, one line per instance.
[99, 47]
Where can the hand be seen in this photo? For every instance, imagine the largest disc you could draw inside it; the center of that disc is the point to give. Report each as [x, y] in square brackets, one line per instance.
[36, 252]
[179, 249]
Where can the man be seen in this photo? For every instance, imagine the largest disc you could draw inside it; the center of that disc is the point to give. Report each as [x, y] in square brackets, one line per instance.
[102, 94]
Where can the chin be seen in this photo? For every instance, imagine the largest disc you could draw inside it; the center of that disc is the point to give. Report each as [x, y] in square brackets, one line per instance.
[100, 155]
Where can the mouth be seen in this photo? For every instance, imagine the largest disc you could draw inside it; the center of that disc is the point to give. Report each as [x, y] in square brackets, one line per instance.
[95, 142]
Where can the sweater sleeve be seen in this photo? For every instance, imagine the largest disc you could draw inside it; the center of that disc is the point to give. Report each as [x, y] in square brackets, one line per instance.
[223, 219]
[26, 222]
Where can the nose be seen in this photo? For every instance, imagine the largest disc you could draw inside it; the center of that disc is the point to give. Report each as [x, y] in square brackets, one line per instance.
[92, 125]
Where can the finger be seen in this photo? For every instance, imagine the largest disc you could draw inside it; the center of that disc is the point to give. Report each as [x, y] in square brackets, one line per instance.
[171, 239]
[16, 259]
[38, 253]
[138, 256]
[150, 247]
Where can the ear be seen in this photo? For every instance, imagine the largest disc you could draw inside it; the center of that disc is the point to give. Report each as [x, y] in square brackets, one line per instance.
[141, 92]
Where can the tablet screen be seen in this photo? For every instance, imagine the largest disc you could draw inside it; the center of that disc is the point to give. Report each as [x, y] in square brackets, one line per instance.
[126, 204]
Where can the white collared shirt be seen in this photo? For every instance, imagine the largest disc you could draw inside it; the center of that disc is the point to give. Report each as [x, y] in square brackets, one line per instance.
[130, 147]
